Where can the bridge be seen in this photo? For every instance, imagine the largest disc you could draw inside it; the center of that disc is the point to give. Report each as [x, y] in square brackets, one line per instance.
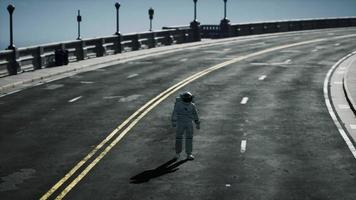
[276, 101]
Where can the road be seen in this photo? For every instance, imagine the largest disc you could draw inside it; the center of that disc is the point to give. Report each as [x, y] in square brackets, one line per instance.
[266, 132]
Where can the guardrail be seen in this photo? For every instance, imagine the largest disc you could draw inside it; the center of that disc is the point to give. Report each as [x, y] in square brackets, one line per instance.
[232, 30]
[37, 57]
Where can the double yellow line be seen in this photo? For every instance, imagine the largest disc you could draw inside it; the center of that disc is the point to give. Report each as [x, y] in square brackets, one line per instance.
[130, 122]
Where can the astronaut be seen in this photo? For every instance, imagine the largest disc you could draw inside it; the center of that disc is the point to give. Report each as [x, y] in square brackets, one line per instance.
[184, 113]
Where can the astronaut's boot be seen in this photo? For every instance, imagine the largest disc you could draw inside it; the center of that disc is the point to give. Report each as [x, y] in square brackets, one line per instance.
[190, 157]
[177, 156]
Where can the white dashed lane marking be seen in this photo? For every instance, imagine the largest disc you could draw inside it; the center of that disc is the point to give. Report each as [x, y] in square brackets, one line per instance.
[86, 82]
[75, 99]
[244, 100]
[262, 78]
[243, 146]
[112, 97]
[132, 76]
[184, 59]
[353, 126]
[338, 82]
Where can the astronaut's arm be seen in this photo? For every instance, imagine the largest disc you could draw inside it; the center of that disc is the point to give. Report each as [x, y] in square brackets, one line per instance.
[196, 117]
[174, 116]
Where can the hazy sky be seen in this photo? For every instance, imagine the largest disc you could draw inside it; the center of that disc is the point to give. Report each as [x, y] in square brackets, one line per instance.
[43, 21]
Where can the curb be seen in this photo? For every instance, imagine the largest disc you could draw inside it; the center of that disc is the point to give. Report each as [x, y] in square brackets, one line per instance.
[347, 92]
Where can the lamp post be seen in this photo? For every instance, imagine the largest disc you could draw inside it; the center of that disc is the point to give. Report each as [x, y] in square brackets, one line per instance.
[225, 26]
[225, 9]
[195, 10]
[117, 6]
[11, 9]
[79, 19]
[151, 13]
[195, 25]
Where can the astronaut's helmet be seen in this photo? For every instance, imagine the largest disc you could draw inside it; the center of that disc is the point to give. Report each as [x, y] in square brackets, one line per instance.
[187, 97]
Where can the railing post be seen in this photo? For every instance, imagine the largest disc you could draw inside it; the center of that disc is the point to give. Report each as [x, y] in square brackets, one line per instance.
[168, 38]
[38, 60]
[99, 47]
[117, 44]
[225, 28]
[135, 42]
[151, 40]
[13, 67]
[81, 52]
[195, 26]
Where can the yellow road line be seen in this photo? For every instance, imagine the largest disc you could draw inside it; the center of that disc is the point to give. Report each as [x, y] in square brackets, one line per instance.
[162, 96]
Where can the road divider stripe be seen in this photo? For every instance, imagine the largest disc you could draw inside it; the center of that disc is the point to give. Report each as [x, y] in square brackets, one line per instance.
[243, 146]
[144, 110]
[75, 99]
[244, 100]
[263, 77]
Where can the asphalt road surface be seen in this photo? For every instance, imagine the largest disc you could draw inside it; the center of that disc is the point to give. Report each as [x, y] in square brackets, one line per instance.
[265, 129]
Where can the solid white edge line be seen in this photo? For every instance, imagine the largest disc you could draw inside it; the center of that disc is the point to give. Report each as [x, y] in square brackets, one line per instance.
[330, 108]
[75, 99]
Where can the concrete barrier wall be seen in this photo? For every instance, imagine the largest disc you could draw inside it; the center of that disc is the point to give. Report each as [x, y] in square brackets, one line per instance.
[37, 57]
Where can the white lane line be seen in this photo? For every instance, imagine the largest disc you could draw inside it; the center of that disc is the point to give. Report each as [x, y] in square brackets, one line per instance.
[243, 146]
[112, 97]
[86, 82]
[290, 51]
[75, 99]
[184, 59]
[337, 44]
[132, 76]
[338, 82]
[244, 100]
[227, 49]
[13, 92]
[343, 106]
[288, 61]
[262, 78]
[330, 108]
[340, 72]
[353, 126]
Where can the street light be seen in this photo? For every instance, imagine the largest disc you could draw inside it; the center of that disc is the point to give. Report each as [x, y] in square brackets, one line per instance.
[195, 10]
[79, 19]
[117, 6]
[151, 13]
[225, 9]
[11, 9]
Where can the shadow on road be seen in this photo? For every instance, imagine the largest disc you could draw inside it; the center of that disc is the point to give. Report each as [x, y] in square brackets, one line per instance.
[168, 167]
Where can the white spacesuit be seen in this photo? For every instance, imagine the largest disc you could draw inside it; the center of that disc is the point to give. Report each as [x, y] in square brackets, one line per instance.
[184, 113]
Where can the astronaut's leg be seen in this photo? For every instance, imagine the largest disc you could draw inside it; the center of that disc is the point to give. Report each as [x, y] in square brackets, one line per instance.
[189, 139]
[179, 138]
